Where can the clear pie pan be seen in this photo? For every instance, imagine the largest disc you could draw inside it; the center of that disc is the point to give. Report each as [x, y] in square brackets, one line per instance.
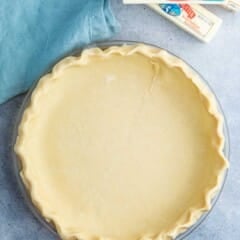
[17, 163]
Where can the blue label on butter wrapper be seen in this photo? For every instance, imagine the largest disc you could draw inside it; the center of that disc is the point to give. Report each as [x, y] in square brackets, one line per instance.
[171, 9]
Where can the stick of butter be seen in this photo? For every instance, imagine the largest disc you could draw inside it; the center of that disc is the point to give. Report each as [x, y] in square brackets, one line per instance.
[194, 19]
[175, 1]
[233, 5]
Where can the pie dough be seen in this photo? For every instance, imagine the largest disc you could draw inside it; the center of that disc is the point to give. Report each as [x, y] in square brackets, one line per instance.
[124, 143]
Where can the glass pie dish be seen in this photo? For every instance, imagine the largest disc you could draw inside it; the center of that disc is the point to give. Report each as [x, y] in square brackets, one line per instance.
[17, 162]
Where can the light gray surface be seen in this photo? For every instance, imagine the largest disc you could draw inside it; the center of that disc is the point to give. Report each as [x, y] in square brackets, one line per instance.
[218, 62]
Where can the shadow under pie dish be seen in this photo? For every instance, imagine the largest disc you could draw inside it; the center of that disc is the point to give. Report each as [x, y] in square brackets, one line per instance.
[121, 143]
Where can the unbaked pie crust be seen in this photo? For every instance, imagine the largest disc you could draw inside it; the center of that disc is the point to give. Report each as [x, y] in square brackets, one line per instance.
[124, 143]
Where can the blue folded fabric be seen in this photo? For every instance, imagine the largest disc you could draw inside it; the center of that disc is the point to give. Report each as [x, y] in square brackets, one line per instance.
[34, 34]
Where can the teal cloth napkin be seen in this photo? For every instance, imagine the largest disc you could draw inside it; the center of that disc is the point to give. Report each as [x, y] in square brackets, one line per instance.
[34, 34]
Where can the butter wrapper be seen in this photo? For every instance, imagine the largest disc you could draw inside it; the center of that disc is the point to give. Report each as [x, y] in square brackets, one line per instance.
[175, 1]
[193, 18]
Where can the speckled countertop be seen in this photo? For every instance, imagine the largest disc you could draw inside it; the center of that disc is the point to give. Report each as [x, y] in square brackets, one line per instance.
[218, 62]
